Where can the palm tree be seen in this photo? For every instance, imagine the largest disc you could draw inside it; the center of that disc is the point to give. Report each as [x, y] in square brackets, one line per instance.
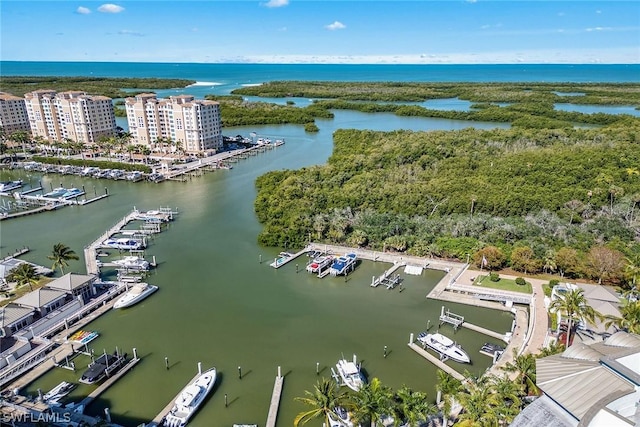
[574, 306]
[551, 349]
[480, 403]
[324, 399]
[372, 402]
[509, 394]
[632, 268]
[525, 366]
[60, 256]
[447, 388]
[412, 407]
[24, 274]
[630, 319]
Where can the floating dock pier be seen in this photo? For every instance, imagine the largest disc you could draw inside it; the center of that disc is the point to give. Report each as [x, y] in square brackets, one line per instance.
[275, 400]
[458, 321]
[437, 362]
[386, 279]
[282, 260]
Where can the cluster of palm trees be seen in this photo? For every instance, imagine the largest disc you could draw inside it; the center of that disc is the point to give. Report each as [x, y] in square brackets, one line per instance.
[490, 400]
[25, 274]
[373, 403]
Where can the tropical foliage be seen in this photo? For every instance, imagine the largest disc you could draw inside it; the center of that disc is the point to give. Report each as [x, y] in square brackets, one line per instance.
[24, 274]
[61, 255]
[573, 307]
[564, 200]
[106, 86]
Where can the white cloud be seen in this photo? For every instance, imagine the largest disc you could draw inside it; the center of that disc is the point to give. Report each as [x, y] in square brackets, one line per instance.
[337, 25]
[276, 3]
[83, 10]
[110, 8]
[130, 33]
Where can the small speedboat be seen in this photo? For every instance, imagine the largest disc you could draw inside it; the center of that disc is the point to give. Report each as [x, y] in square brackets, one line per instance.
[190, 398]
[58, 392]
[319, 263]
[349, 374]
[343, 264]
[6, 186]
[444, 346]
[137, 293]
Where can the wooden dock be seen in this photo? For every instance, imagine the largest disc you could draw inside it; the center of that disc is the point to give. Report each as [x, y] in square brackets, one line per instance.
[109, 382]
[458, 321]
[439, 364]
[275, 400]
[158, 419]
[281, 260]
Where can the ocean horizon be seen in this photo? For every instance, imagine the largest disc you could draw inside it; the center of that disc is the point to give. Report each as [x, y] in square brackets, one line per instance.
[238, 74]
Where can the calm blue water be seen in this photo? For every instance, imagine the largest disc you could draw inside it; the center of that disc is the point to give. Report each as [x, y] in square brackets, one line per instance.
[227, 77]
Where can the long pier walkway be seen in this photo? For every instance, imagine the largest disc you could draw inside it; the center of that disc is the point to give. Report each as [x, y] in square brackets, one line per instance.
[275, 400]
[158, 419]
[282, 260]
[385, 276]
[437, 362]
[91, 250]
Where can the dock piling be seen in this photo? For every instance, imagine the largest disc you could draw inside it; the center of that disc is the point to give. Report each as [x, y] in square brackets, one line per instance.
[317, 368]
[226, 402]
[411, 338]
[135, 353]
[166, 362]
[239, 372]
[384, 354]
[199, 368]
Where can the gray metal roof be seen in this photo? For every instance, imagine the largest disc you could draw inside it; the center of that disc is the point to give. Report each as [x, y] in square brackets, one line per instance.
[70, 281]
[11, 313]
[40, 297]
[585, 378]
[543, 412]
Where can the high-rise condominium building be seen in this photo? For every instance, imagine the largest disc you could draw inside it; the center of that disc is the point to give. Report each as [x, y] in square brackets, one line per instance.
[70, 115]
[13, 114]
[193, 124]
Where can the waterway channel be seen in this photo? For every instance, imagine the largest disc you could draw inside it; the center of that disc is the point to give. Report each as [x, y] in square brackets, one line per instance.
[219, 305]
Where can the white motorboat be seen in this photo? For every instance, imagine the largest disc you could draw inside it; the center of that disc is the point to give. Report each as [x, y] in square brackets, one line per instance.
[319, 263]
[190, 398]
[132, 263]
[137, 293]
[123, 244]
[7, 186]
[342, 264]
[444, 346]
[349, 374]
[58, 392]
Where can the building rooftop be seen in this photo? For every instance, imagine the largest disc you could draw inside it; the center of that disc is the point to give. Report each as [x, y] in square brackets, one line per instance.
[11, 313]
[40, 297]
[70, 281]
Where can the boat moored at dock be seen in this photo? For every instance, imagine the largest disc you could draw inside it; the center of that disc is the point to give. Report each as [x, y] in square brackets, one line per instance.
[7, 186]
[444, 346]
[123, 244]
[104, 366]
[343, 264]
[319, 263]
[54, 396]
[190, 399]
[349, 374]
[137, 293]
[132, 263]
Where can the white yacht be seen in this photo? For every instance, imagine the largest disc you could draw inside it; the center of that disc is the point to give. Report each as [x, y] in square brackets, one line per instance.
[190, 398]
[132, 263]
[444, 346]
[349, 374]
[137, 293]
[123, 244]
[6, 186]
[341, 418]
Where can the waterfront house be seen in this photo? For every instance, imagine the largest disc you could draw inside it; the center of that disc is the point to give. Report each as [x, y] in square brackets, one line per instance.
[75, 284]
[590, 384]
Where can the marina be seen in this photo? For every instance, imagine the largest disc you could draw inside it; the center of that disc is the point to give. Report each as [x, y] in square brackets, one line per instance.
[221, 241]
[272, 416]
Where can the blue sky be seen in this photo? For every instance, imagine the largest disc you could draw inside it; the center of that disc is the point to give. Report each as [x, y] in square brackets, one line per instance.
[292, 31]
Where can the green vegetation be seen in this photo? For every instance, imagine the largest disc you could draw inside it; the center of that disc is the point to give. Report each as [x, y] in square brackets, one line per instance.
[107, 86]
[504, 284]
[235, 111]
[530, 105]
[562, 201]
[61, 255]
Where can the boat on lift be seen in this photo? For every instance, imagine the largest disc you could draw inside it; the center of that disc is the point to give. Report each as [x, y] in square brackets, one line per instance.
[444, 346]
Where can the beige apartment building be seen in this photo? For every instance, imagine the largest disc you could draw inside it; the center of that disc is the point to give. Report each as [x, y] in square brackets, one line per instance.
[70, 115]
[192, 123]
[13, 114]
